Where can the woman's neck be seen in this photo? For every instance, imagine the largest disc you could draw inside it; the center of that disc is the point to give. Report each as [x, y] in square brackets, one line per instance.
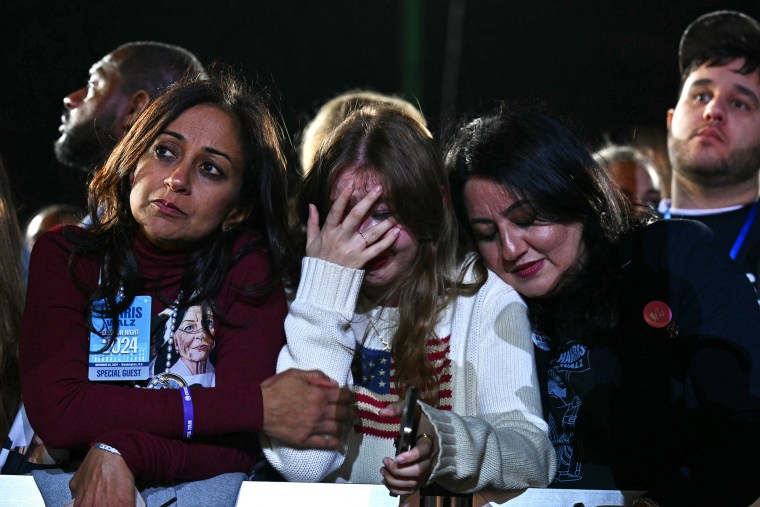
[373, 297]
[195, 367]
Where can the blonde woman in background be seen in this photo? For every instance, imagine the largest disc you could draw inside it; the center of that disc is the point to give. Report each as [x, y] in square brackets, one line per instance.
[335, 110]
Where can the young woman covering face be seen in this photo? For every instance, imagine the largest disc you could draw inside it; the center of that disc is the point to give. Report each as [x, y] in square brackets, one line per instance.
[387, 301]
[647, 336]
[390, 264]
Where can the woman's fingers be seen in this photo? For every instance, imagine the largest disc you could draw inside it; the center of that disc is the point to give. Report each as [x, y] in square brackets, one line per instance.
[312, 225]
[338, 208]
[340, 239]
[422, 451]
[375, 247]
[403, 480]
[393, 409]
[410, 470]
[356, 216]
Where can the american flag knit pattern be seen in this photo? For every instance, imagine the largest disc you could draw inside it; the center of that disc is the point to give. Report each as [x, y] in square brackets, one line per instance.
[377, 387]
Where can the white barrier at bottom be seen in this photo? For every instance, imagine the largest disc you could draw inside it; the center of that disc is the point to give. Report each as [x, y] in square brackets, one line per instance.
[363, 495]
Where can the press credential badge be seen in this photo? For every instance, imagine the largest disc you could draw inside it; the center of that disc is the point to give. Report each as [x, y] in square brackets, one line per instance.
[128, 357]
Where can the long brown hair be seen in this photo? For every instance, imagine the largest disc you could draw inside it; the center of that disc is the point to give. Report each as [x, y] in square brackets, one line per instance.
[404, 155]
[11, 305]
[262, 194]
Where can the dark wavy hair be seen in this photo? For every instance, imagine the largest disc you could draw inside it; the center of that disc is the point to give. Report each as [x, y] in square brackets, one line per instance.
[262, 194]
[11, 304]
[539, 160]
[407, 160]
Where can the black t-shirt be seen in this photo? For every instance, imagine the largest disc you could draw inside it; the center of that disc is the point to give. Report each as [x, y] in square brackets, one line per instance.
[727, 227]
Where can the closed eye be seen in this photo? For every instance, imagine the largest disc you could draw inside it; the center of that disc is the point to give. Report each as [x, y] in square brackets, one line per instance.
[525, 223]
[485, 238]
[381, 215]
[484, 233]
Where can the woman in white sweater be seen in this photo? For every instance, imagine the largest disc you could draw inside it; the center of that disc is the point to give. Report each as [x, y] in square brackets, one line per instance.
[387, 301]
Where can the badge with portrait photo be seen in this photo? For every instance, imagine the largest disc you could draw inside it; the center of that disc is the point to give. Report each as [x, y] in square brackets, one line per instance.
[187, 352]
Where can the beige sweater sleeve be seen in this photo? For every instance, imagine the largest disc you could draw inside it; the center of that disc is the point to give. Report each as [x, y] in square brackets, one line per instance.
[496, 436]
[319, 337]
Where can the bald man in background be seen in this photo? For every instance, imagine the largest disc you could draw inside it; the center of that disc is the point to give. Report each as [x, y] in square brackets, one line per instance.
[121, 84]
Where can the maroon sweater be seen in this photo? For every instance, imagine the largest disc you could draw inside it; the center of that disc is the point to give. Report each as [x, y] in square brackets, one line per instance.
[68, 411]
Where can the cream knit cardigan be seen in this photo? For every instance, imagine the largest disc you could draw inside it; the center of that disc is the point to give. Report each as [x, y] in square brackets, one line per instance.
[494, 437]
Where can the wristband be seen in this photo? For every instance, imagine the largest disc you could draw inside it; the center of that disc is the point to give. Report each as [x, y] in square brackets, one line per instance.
[187, 409]
[106, 447]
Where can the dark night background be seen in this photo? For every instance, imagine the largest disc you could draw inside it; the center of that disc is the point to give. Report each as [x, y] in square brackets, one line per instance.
[610, 67]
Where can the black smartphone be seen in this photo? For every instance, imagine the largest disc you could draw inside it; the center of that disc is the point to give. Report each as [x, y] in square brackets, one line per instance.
[407, 433]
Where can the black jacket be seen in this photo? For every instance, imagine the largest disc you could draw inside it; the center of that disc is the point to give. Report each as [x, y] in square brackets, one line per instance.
[670, 404]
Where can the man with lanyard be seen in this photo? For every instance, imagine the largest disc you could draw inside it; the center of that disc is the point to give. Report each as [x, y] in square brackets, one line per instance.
[714, 134]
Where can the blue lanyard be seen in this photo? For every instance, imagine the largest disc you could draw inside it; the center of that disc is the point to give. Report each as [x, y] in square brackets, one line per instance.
[745, 229]
[739, 241]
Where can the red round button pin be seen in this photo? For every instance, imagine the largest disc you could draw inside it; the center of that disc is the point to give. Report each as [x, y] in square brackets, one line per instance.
[657, 314]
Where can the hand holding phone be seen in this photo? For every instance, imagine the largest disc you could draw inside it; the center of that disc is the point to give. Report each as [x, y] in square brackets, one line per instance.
[407, 434]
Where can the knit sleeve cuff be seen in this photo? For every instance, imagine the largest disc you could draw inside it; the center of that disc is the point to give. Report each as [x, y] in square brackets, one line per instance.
[445, 462]
[329, 286]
